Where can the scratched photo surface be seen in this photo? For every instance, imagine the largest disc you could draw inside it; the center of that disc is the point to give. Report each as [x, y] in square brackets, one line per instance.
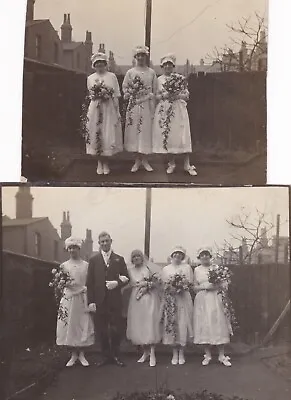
[145, 293]
[145, 91]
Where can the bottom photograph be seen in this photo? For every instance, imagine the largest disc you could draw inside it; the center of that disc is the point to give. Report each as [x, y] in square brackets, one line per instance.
[121, 293]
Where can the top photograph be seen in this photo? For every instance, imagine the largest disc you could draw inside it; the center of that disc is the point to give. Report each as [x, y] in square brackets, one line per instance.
[145, 91]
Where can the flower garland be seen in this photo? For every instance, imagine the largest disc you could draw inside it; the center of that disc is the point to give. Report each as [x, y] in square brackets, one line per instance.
[221, 275]
[174, 85]
[101, 94]
[134, 91]
[84, 119]
[165, 119]
[174, 286]
[59, 281]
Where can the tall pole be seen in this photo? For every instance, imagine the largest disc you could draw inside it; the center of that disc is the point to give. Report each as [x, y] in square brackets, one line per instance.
[277, 239]
[148, 26]
[147, 239]
[148, 212]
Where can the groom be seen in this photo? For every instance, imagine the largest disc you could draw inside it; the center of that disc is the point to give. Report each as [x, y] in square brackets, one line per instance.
[107, 274]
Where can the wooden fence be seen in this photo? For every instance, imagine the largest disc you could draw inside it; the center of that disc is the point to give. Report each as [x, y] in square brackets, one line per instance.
[226, 110]
[259, 294]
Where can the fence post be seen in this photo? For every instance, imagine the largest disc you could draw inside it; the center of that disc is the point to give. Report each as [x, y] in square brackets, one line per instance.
[277, 239]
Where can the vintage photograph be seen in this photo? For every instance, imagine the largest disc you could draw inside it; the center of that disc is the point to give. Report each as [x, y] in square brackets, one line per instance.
[145, 91]
[107, 294]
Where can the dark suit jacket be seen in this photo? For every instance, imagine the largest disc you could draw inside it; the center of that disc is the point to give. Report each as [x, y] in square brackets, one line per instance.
[98, 274]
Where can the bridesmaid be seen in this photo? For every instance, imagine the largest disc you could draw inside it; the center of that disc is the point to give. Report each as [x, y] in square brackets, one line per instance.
[77, 331]
[177, 328]
[211, 326]
[104, 132]
[140, 109]
[143, 328]
[171, 131]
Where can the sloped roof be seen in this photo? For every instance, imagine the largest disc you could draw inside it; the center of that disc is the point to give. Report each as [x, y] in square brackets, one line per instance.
[21, 221]
[35, 22]
[71, 46]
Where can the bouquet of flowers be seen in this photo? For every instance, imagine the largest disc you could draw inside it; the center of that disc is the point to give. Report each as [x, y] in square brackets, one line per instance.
[101, 92]
[177, 284]
[60, 280]
[135, 88]
[174, 85]
[146, 285]
[220, 275]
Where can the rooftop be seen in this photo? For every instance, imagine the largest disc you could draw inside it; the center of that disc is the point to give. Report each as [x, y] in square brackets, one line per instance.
[71, 46]
[35, 22]
[7, 222]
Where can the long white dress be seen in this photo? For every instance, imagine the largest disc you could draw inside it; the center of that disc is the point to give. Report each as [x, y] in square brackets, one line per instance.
[111, 141]
[143, 323]
[211, 325]
[78, 328]
[139, 118]
[179, 135]
[184, 307]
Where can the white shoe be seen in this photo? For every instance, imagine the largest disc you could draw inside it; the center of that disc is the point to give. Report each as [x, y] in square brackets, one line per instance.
[83, 360]
[171, 168]
[106, 169]
[143, 358]
[224, 360]
[175, 359]
[181, 358]
[206, 360]
[153, 361]
[191, 170]
[72, 360]
[147, 166]
[99, 169]
[136, 166]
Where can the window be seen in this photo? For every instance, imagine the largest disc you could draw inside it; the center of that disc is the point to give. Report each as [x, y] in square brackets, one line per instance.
[37, 244]
[78, 60]
[56, 53]
[38, 47]
[56, 250]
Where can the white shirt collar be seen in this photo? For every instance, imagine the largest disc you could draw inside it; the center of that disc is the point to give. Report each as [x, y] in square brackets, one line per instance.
[106, 255]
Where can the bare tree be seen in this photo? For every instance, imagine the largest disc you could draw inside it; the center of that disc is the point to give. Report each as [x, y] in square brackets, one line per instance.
[249, 36]
[246, 239]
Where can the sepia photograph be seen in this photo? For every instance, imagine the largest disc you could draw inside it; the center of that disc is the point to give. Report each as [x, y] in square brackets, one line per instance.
[108, 294]
[145, 91]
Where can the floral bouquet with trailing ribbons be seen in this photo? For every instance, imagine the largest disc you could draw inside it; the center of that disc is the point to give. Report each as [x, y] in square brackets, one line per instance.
[177, 284]
[101, 92]
[146, 285]
[221, 276]
[136, 93]
[174, 85]
[59, 282]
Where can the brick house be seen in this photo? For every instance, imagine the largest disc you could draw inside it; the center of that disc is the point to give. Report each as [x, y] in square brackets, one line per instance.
[36, 236]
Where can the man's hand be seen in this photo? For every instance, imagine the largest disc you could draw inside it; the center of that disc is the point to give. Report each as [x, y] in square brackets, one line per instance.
[111, 285]
[92, 307]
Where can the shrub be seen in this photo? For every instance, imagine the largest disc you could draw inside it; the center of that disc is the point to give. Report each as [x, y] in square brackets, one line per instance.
[169, 395]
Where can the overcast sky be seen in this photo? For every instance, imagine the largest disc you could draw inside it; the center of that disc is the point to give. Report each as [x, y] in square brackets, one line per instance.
[190, 217]
[120, 24]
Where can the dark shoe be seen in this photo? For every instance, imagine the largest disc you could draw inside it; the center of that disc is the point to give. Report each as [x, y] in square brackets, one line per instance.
[103, 362]
[118, 362]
